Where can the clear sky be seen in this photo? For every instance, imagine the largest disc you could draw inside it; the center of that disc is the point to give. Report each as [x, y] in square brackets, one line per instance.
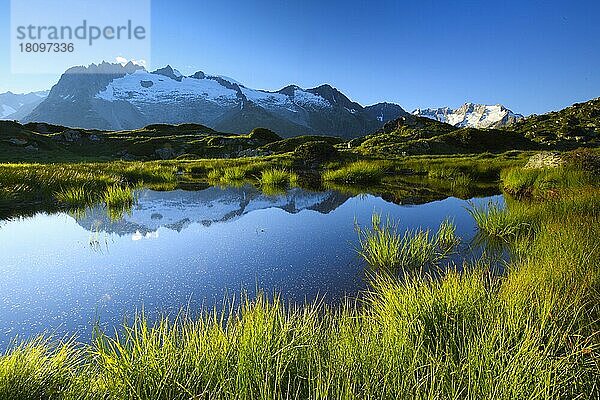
[532, 56]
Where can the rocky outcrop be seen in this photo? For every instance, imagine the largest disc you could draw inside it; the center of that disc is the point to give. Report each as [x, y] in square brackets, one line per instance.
[545, 159]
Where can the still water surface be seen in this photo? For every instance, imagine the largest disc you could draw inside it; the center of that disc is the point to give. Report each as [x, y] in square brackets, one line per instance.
[61, 273]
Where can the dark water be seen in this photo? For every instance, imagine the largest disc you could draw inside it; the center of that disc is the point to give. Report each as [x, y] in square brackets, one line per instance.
[61, 273]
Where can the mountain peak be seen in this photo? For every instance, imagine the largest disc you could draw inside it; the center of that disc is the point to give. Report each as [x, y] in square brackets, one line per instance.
[169, 72]
[471, 115]
[105, 68]
[198, 75]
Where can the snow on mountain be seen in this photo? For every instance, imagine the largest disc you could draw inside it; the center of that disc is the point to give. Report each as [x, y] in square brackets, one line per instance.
[144, 87]
[16, 106]
[228, 79]
[307, 99]
[115, 96]
[471, 115]
[6, 111]
[275, 100]
[266, 99]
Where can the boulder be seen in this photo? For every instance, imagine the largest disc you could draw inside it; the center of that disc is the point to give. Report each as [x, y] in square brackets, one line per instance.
[165, 153]
[546, 159]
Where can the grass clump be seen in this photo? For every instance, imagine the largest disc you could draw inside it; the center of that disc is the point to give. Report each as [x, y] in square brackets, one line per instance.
[118, 197]
[78, 185]
[74, 197]
[497, 222]
[233, 175]
[357, 172]
[39, 369]
[214, 175]
[386, 249]
[278, 178]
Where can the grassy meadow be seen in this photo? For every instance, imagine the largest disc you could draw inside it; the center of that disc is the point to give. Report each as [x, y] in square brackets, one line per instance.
[64, 186]
[467, 333]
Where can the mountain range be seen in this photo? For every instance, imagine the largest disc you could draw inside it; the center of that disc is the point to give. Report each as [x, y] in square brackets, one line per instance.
[14, 106]
[572, 127]
[472, 115]
[125, 97]
[119, 97]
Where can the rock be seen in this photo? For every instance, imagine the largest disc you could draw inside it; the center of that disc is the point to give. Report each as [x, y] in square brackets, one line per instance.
[71, 135]
[248, 153]
[32, 148]
[546, 159]
[165, 153]
[18, 142]
[95, 138]
[264, 135]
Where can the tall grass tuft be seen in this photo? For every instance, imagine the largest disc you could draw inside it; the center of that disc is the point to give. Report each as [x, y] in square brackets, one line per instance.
[496, 221]
[234, 174]
[357, 172]
[214, 175]
[278, 178]
[545, 183]
[74, 197]
[385, 249]
[118, 197]
[41, 368]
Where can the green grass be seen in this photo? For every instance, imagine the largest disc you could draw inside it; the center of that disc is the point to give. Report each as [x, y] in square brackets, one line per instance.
[482, 167]
[73, 197]
[497, 222]
[60, 186]
[41, 368]
[535, 183]
[386, 249]
[232, 175]
[470, 334]
[278, 178]
[357, 172]
[118, 197]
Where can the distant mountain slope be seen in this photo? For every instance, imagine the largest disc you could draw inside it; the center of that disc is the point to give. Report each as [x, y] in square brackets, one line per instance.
[413, 134]
[572, 127]
[41, 141]
[385, 112]
[16, 106]
[114, 97]
[471, 115]
[577, 124]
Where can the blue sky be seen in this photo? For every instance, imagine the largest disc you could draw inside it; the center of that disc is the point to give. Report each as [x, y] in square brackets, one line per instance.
[532, 56]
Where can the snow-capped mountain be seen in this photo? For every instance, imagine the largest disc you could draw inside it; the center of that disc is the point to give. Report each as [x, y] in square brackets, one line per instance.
[471, 115]
[16, 106]
[115, 97]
